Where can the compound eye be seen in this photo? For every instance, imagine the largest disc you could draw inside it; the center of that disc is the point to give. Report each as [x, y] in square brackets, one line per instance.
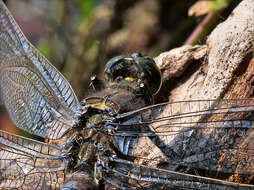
[134, 68]
[113, 68]
[152, 74]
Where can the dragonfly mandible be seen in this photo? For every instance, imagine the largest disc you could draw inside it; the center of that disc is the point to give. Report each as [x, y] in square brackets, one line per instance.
[115, 138]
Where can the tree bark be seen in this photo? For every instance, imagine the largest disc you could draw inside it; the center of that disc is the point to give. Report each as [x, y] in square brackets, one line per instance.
[223, 68]
[223, 65]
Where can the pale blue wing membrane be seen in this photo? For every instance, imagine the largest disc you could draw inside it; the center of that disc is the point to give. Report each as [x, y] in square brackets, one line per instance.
[28, 164]
[156, 178]
[38, 98]
[189, 133]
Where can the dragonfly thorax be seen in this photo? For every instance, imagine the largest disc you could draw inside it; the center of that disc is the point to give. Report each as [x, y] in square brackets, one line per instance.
[82, 145]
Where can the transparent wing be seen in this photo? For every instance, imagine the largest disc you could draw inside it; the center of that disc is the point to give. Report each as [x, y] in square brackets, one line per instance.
[134, 176]
[28, 164]
[38, 98]
[190, 136]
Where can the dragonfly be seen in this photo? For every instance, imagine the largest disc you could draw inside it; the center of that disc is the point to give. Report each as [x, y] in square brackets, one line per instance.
[115, 138]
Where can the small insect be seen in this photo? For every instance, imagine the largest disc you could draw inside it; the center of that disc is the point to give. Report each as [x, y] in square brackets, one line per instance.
[115, 138]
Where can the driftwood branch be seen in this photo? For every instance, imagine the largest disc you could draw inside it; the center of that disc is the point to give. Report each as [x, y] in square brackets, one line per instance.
[224, 66]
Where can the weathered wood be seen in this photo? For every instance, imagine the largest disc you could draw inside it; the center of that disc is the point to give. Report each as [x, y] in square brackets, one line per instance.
[224, 70]
[228, 69]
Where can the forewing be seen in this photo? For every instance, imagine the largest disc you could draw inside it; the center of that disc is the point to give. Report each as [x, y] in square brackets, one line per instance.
[28, 164]
[212, 135]
[38, 98]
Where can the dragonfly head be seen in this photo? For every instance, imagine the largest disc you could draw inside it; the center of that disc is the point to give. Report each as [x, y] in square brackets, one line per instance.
[135, 68]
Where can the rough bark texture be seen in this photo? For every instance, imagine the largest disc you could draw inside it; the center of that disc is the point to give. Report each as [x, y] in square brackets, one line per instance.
[221, 69]
[224, 62]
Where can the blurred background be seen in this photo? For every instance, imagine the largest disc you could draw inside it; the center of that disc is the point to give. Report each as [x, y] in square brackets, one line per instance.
[80, 36]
